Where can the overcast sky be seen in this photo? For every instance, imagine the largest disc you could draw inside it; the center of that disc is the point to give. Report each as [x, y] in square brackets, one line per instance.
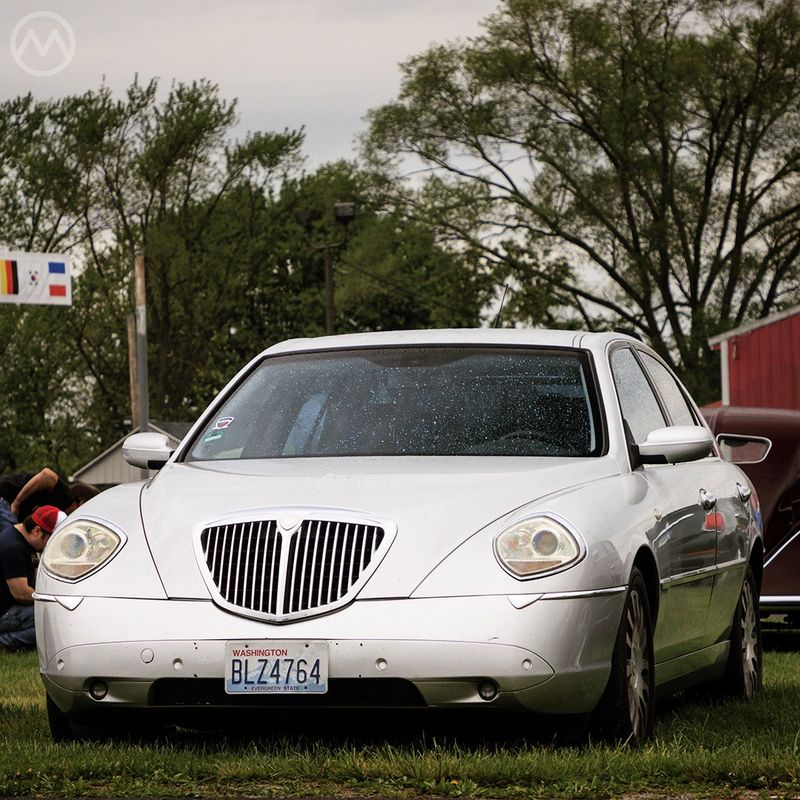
[318, 63]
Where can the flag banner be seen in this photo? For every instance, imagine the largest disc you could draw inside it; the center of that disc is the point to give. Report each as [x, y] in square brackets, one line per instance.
[37, 278]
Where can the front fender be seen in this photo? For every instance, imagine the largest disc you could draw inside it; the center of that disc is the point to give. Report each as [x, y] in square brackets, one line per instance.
[131, 572]
[613, 516]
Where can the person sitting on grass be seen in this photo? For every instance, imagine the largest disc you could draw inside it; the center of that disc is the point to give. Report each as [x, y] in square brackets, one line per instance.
[18, 543]
[22, 492]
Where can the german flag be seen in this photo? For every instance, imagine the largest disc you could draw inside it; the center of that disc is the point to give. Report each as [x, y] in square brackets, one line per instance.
[9, 282]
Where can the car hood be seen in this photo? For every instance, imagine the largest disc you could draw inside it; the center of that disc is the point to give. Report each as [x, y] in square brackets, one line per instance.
[436, 503]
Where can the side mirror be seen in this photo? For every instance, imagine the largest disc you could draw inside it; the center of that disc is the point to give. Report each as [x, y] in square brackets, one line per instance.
[676, 444]
[739, 449]
[146, 450]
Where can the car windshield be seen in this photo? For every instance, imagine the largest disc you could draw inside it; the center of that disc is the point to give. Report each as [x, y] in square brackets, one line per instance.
[431, 401]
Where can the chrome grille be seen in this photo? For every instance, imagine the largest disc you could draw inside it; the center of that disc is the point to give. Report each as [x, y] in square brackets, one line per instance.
[261, 570]
[243, 560]
[325, 560]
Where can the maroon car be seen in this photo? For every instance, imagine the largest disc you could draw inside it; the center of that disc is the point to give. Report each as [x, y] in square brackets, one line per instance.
[765, 443]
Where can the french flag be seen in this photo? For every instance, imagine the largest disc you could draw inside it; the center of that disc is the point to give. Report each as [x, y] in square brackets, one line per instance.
[57, 278]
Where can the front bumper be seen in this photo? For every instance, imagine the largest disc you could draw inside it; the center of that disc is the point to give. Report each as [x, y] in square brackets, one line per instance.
[551, 655]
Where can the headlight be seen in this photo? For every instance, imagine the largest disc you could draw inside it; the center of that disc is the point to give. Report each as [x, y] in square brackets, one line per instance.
[536, 546]
[79, 548]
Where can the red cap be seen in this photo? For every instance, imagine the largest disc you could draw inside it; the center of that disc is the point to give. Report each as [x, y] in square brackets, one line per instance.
[46, 517]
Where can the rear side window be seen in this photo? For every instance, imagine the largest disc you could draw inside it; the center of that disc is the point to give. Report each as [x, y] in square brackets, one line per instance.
[639, 406]
[670, 392]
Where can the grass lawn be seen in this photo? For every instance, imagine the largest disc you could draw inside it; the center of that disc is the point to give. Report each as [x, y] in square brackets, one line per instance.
[700, 749]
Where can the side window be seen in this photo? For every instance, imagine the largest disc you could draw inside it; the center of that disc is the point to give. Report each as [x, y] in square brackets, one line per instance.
[670, 392]
[639, 406]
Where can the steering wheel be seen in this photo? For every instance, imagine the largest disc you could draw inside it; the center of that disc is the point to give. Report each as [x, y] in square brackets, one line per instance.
[535, 435]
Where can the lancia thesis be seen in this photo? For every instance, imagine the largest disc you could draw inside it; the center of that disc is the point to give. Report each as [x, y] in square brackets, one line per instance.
[494, 520]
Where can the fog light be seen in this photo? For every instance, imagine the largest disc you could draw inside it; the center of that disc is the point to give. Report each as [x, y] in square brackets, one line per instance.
[98, 690]
[487, 690]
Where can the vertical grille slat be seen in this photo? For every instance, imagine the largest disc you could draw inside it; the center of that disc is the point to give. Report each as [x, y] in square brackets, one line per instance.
[303, 566]
[230, 561]
[237, 584]
[312, 571]
[290, 576]
[254, 581]
[323, 564]
[325, 560]
[247, 561]
[331, 569]
[366, 554]
[214, 556]
[344, 548]
[277, 545]
[358, 553]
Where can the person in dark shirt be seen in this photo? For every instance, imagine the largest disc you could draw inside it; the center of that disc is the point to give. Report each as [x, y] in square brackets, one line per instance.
[18, 543]
[22, 492]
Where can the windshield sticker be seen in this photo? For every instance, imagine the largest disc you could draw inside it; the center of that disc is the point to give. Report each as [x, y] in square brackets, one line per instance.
[222, 423]
[212, 437]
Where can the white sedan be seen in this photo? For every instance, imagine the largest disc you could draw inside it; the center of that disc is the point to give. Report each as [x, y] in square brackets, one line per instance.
[534, 521]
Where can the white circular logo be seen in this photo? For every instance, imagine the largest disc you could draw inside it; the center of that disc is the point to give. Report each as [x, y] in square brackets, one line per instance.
[43, 43]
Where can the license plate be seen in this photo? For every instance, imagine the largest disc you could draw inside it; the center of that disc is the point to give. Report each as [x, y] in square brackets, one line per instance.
[276, 666]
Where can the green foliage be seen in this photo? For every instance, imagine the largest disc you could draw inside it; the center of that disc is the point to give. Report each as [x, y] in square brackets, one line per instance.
[390, 273]
[393, 276]
[632, 163]
[103, 178]
[234, 235]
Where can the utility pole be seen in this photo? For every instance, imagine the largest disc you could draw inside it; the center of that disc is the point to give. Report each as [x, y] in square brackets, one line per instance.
[330, 311]
[141, 345]
[344, 214]
[132, 370]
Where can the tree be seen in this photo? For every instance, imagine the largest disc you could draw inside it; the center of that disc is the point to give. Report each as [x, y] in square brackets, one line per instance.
[173, 184]
[394, 276]
[234, 235]
[102, 178]
[390, 273]
[632, 162]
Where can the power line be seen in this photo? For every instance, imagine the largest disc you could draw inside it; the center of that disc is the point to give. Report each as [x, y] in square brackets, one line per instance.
[381, 279]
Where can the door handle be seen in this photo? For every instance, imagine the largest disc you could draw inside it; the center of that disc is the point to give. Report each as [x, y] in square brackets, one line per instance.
[707, 500]
[744, 491]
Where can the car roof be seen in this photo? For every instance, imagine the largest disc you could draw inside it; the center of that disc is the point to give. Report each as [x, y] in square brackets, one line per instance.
[462, 336]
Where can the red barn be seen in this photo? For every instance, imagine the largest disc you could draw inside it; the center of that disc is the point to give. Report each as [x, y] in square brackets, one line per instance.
[761, 362]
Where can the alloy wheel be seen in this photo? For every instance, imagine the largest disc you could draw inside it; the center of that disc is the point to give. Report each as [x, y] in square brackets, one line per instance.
[750, 654]
[637, 665]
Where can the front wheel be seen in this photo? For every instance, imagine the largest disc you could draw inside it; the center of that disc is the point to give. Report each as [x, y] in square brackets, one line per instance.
[743, 671]
[65, 728]
[627, 709]
[60, 727]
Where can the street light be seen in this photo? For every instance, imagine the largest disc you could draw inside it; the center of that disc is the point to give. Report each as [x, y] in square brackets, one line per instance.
[344, 213]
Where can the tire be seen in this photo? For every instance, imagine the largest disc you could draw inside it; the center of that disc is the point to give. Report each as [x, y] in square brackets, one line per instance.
[64, 728]
[743, 671]
[626, 711]
[60, 728]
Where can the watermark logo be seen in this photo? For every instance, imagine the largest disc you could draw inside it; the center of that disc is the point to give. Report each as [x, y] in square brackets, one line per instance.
[43, 43]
